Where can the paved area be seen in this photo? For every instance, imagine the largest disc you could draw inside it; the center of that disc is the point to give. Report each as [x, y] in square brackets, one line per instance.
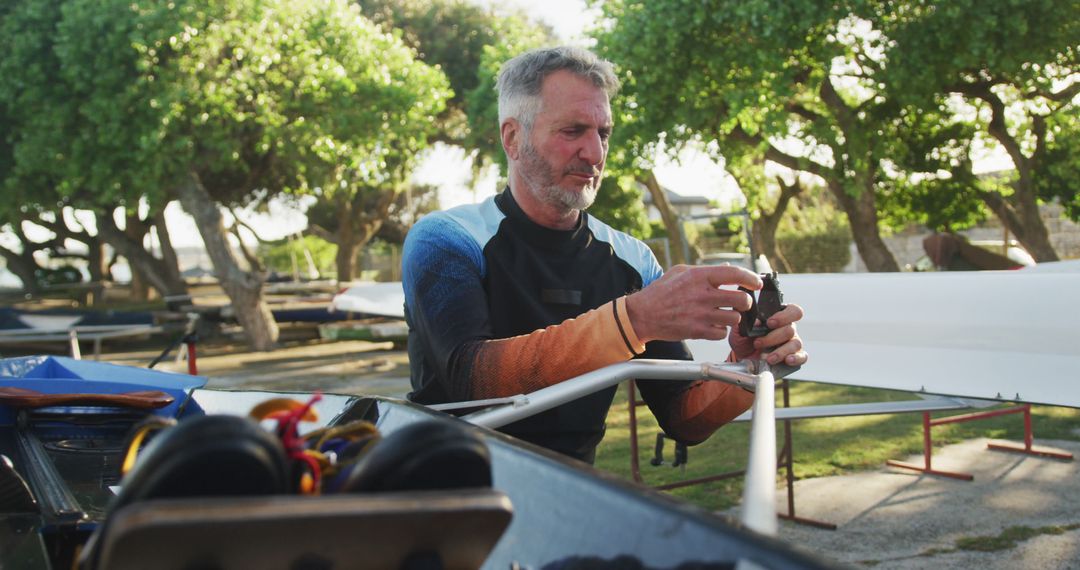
[898, 519]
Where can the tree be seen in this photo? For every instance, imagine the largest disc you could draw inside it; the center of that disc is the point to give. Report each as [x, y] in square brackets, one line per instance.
[764, 76]
[451, 34]
[54, 161]
[1013, 67]
[749, 172]
[210, 102]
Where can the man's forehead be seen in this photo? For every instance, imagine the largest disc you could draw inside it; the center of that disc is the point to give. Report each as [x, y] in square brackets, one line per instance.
[572, 99]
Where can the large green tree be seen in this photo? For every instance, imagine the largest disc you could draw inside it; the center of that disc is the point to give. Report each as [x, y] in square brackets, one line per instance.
[762, 77]
[209, 102]
[453, 34]
[1002, 75]
[54, 164]
[864, 96]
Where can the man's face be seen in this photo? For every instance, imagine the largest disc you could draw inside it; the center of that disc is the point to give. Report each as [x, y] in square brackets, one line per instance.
[562, 158]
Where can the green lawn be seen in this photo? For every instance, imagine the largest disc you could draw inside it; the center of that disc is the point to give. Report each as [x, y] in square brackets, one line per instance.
[827, 446]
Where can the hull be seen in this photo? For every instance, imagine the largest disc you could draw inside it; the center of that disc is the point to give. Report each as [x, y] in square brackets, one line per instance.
[564, 513]
[993, 335]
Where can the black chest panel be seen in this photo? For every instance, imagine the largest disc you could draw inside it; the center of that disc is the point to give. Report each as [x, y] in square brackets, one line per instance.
[537, 277]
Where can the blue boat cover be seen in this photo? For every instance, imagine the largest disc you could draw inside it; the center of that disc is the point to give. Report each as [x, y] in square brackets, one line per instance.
[62, 375]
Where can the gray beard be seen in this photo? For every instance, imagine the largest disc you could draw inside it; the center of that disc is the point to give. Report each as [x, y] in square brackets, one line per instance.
[538, 174]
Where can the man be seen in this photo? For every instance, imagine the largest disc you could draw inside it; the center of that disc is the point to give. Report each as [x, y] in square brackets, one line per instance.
[526, 289]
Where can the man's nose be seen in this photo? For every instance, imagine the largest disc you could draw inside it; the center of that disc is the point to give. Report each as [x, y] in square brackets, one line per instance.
[592, 148]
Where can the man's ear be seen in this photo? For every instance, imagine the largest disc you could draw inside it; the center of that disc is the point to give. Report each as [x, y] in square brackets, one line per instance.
[511, 132]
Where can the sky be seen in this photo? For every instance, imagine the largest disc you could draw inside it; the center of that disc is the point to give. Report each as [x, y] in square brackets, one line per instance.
[569, 18]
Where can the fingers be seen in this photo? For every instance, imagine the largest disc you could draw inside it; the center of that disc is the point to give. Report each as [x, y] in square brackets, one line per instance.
[720, 275]
[786, 316]
[796, 358]
[783, 340]
[689, 303]
[730, 298]
[785, 344]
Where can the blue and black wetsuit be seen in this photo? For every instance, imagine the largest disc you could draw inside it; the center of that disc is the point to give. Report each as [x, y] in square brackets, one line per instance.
[498, 305]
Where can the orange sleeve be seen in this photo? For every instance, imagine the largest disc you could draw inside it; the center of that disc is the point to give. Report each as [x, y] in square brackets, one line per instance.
[704, 407]
[529, 362]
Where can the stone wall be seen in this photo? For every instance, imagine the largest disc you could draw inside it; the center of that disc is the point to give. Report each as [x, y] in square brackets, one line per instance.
[907, 247]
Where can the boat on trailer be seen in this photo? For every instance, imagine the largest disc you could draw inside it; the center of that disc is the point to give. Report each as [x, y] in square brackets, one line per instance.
[66, 429]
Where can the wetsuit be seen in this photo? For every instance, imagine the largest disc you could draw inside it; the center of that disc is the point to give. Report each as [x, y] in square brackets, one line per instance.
[498, 305]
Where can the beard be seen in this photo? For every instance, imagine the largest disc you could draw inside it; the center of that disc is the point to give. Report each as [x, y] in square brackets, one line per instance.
[543, 182]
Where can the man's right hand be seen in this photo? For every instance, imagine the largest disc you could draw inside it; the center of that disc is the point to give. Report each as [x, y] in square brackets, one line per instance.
[688, 303]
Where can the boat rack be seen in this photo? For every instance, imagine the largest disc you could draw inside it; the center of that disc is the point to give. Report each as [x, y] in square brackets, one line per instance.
[926, 404]
[72, 336]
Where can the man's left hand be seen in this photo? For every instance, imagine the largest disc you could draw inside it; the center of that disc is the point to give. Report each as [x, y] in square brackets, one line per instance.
[782, 340]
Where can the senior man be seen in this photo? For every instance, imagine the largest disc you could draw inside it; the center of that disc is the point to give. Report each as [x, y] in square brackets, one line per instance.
[526, 289]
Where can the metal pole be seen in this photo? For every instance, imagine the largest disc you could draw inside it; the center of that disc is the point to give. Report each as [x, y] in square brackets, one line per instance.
[73, 343]
[759, 492]
[759, 496]
[574, 388]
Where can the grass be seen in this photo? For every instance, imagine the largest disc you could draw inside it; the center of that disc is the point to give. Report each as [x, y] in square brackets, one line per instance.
[1008, 538]
[826, 446]
[1005, 540]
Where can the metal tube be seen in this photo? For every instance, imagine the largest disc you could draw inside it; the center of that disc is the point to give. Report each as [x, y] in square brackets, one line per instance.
[759, 492]
[759, 496]
[574, 388]
[73, 343]
[635, 462]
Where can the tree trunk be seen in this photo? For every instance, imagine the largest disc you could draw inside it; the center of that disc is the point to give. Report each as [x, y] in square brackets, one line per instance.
[345, 260]
[23, 266]
[135, 233]
[1019, 213]
[96, 260]
[764, 229]
[168, 252]
[140, 289]
[359, 219]
[862, 215]
[1018, 219]
[679, 247]
[152, 269]
[244, 288]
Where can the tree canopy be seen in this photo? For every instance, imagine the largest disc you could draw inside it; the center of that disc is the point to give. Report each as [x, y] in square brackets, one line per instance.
[999, 75]
[811, 87]
[211, 102]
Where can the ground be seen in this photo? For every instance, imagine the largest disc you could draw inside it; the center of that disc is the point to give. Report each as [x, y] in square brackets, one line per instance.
[897, 519]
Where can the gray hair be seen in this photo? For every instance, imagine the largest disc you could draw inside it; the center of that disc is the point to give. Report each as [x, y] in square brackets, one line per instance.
[521, 78]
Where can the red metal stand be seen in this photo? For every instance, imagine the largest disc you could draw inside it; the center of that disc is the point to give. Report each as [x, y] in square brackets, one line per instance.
[785, 460]
[1027, 448]
[191, 368]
